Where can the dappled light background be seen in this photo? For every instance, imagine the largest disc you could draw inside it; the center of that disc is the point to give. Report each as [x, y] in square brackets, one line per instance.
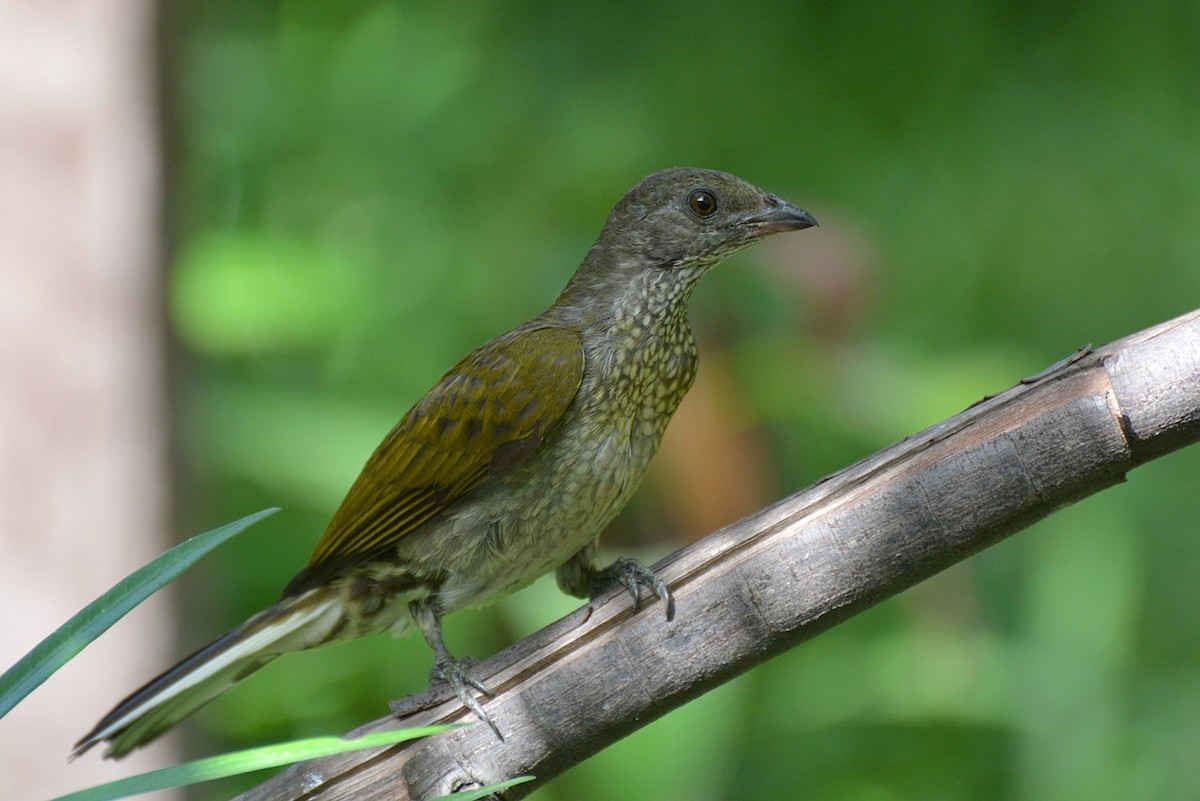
[362, 192]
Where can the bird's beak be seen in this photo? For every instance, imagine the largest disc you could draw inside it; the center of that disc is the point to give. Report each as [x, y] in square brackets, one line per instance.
[778, 217]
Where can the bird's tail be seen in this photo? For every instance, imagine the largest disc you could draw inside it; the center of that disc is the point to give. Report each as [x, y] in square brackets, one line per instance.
[293, 624]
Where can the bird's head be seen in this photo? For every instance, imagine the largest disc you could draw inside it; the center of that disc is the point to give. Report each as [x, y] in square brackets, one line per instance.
[685, 217]
[668, 231]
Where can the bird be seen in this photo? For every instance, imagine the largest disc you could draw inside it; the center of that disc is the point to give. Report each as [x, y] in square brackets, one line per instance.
[510, 466]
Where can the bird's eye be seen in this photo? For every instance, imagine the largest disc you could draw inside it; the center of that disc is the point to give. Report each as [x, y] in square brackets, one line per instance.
[702, 202]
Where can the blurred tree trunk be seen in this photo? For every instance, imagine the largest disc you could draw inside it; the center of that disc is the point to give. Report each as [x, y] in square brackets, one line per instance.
[82, 467]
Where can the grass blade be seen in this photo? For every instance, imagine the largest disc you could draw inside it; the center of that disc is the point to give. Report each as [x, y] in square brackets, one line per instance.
[484, 792]
[247, 761]
[95, 618]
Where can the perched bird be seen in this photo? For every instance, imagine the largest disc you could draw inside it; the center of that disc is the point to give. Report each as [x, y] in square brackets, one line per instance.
[511, 465]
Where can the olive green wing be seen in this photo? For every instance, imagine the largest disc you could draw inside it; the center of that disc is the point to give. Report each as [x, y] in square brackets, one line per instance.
[488, 413]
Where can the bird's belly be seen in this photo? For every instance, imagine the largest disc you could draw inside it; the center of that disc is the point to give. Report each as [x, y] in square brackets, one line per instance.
[533, 523]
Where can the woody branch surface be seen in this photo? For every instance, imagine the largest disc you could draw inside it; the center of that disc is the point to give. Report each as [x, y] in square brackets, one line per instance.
[777, 578]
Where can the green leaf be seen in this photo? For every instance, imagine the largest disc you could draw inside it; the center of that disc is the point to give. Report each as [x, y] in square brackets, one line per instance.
[247, 761]
[95, 618]
[484, 792]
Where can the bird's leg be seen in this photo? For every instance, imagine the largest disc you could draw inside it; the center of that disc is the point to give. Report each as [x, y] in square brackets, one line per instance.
[445, 667]
[582, 577]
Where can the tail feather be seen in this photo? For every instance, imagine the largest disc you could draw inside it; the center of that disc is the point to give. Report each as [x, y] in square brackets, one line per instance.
[291, 625]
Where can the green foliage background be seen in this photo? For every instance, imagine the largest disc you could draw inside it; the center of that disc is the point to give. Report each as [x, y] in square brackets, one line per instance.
[363, 191]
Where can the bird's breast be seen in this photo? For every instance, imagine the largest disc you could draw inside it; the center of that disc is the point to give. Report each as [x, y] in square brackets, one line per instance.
[650, 366]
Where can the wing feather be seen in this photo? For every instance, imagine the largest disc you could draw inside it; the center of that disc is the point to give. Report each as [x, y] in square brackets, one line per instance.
[487, 414]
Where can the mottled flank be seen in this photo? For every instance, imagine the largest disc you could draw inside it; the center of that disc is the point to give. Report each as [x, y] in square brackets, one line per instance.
[513, 463]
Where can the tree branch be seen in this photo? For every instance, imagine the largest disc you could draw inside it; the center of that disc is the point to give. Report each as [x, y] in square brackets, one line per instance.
[779, 577]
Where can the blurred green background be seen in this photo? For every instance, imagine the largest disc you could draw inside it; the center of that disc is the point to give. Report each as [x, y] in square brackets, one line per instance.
[361, 192]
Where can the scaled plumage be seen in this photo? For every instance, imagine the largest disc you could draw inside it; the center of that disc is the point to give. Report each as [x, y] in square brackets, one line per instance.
[511, 465]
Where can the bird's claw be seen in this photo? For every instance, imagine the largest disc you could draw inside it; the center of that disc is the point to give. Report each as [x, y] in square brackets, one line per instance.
[454, 673]
[633, 575]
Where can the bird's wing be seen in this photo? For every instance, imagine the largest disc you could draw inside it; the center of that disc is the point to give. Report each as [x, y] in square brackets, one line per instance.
[487, 414]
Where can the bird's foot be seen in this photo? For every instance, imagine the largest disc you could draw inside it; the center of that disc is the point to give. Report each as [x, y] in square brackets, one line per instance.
[454, 672]
[633, 575]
